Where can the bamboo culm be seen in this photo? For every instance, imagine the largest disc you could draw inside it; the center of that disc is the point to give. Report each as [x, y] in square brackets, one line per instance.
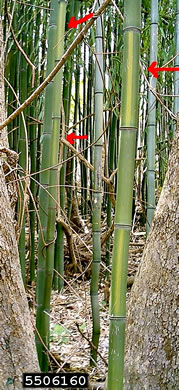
[125, 179]
[151, 130]
[97, 197]
[52, 56]
[52, 205]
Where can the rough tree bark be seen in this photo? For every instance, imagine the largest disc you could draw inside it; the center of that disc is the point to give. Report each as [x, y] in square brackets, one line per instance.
[17, 346]
[152, 341]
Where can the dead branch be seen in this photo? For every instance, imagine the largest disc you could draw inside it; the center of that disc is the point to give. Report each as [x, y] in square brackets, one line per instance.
[90, 166]
[106, 235]
[91, 344]
[69, 236]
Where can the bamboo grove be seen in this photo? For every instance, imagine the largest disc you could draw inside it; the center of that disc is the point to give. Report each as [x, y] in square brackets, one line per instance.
[98, 186]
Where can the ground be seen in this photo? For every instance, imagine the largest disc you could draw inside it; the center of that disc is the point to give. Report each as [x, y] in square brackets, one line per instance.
[72, 309]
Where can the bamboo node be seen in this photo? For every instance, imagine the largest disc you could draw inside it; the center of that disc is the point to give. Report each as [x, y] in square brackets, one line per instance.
[119, 318]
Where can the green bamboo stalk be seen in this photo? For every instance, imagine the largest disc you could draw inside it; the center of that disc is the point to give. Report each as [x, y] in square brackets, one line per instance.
[152, 119]
[53, 39]
[176, 74]
[22, 163]
[111, 142]
[33, 191]
[54, 149]
[89, 119]
[15, 86]
[97, 197]
[15, 122]
[112, 129]
[91, 122]
[123, 215]
[84, 142]
[77, 89]
[59, 245]
[12, 70]
[22, 151]
[43, 20]
[72, 162]
[59, 258]
[33, 150]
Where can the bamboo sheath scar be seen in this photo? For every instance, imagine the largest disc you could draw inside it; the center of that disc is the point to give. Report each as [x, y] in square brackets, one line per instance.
[59, 65]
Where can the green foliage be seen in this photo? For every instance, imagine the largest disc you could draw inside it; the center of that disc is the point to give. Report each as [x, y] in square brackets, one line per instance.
[59, 333]
[10, 381]
[83, 327]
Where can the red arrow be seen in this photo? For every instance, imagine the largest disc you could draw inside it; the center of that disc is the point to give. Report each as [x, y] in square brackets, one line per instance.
[152, 68]
[74, 23]
[72, 136]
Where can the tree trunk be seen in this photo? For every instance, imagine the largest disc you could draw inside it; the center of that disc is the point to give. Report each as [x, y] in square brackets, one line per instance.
[152, 332]
[17, 346]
